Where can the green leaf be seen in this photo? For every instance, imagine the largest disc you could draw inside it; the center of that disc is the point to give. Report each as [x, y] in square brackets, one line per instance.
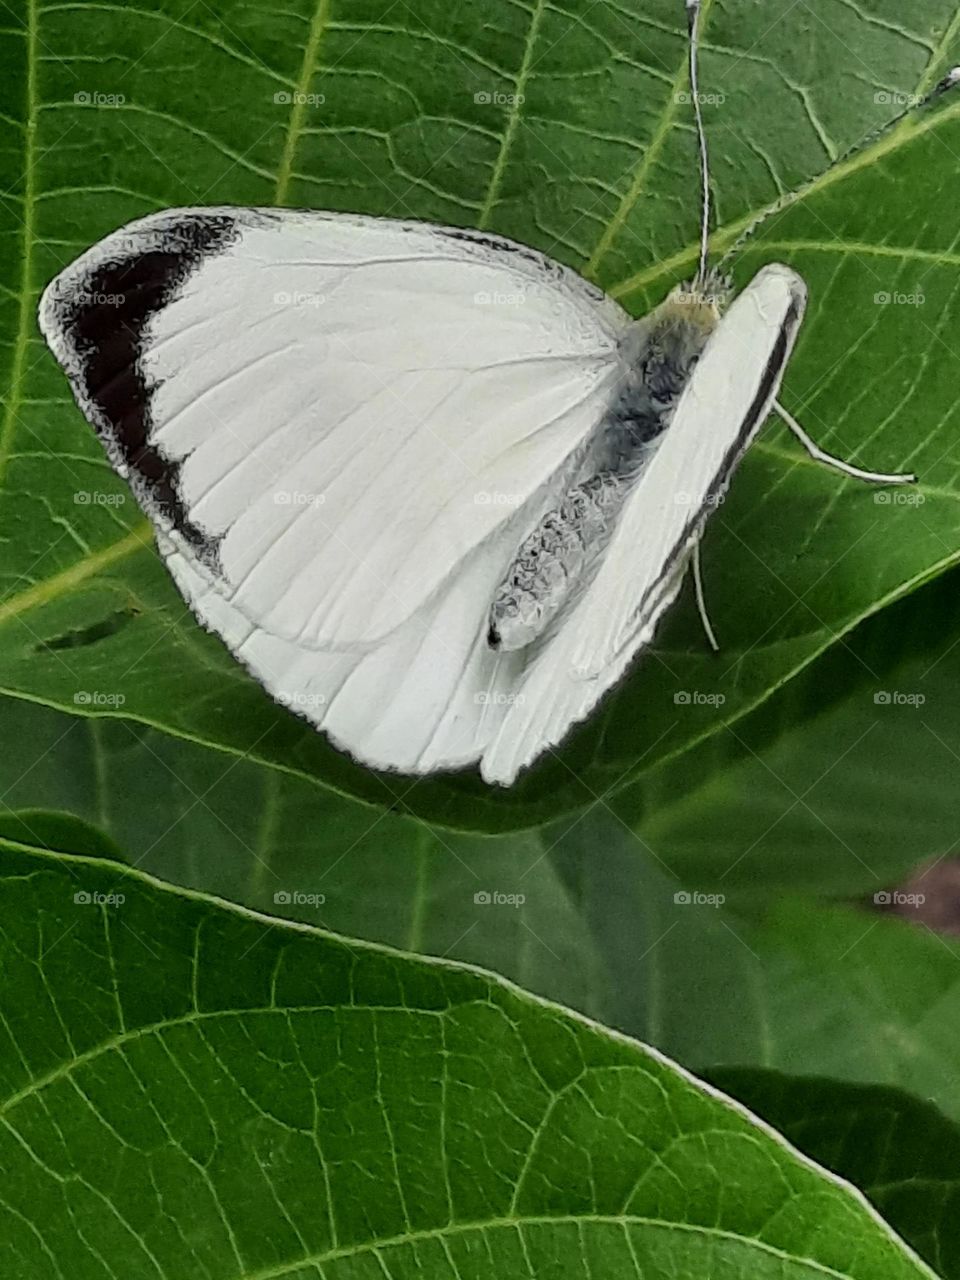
[596, 166]
[278, 843]
[902, 1153]
[840, 785]
[192, 1090]
[59, 832]
[810, 990]
[865, 791]
[850, 992]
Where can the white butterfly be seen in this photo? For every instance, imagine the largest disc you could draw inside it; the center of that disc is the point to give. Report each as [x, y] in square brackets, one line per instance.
[433, 489]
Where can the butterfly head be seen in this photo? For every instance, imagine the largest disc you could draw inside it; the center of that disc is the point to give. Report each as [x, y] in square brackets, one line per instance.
[676, 331]
[703, 302]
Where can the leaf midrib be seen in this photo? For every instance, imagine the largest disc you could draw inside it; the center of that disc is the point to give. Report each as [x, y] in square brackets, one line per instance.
[308, 68]
[25, 311]
[53, 588]
[624, 1221]
[649, 158]
[907, 131]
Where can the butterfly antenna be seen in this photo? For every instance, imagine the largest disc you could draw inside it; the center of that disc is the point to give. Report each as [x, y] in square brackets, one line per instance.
[693, 22]
[951, 79]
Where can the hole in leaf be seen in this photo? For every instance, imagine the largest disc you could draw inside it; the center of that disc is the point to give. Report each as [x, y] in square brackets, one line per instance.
[84, 636]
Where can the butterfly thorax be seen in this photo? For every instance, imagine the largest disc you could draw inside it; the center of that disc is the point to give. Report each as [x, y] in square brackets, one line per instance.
[558, 558]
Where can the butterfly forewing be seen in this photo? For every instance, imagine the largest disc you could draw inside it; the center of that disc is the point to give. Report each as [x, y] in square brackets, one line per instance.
[329, 412]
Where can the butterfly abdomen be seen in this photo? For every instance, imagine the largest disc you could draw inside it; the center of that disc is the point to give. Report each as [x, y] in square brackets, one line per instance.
[556, 561]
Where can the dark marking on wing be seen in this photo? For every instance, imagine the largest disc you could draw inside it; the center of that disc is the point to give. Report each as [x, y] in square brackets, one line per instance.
[513, 248]
[761, 401]
[751, 422]
[104, 313]
[488, 242]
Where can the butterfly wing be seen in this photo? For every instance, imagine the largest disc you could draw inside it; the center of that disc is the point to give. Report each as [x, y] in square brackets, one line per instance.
[342, 428]
[430, 696]
[325, 413]
[720, 411]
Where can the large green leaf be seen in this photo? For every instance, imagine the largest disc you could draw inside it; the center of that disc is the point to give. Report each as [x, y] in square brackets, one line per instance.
[192, 1090]
[595, 165]
[579, 912]
[840, 784]
[599, 928]
[901, 1152]
[811, 990]
[278, 843]
[844, 802]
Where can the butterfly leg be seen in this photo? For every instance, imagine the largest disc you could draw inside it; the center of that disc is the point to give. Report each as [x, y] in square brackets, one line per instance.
[814, 450]
[701, 601]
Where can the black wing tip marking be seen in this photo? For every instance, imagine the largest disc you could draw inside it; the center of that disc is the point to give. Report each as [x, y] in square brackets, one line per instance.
[96, 314]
